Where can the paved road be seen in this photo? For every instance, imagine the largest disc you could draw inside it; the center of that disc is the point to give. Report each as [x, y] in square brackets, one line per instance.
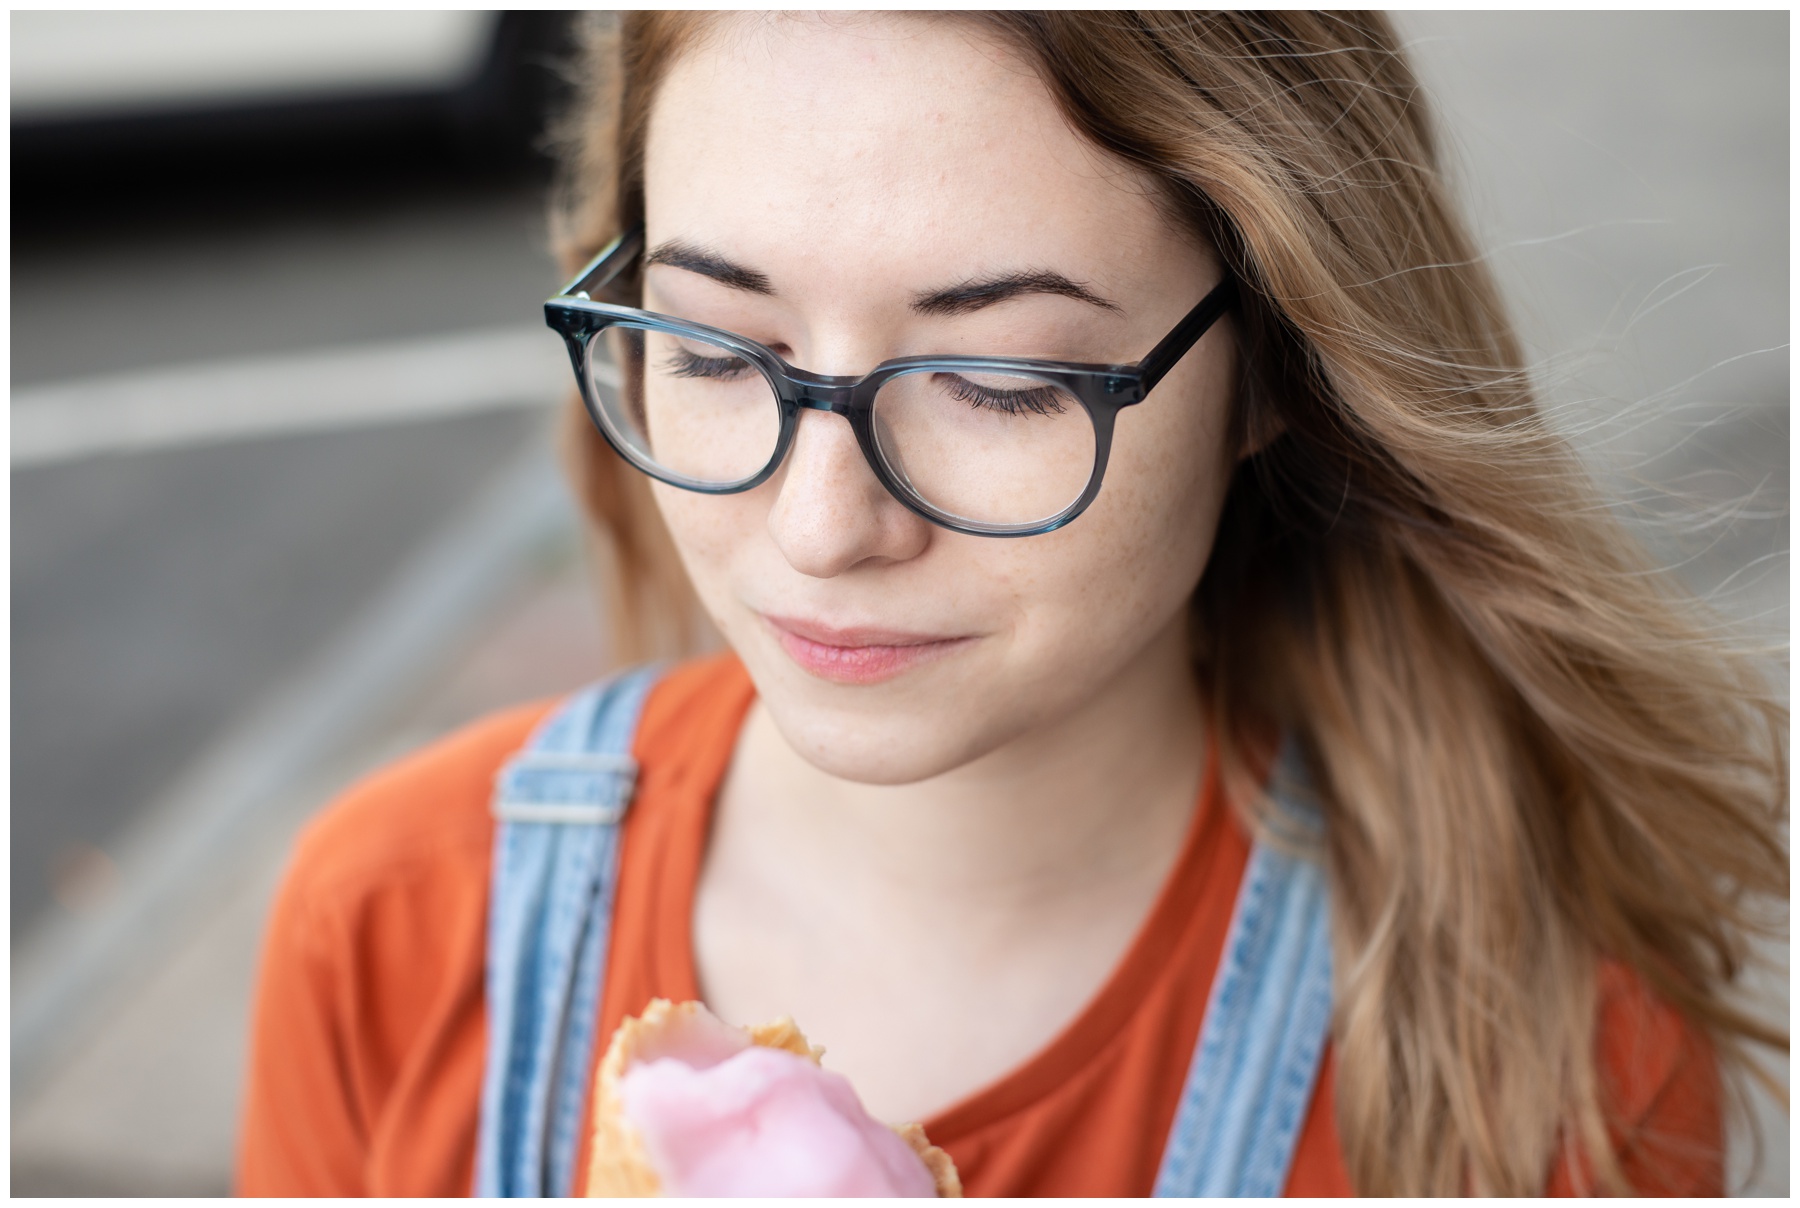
[158, 595]
[155, 596]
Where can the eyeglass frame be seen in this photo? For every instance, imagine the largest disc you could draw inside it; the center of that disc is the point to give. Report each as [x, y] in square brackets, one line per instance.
[1101, 389]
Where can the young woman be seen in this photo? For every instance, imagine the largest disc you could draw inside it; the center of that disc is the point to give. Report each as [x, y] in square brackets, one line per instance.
[1079, 427]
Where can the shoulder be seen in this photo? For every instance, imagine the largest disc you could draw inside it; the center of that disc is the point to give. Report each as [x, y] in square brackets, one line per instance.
[371, 956]
[424, 810]
[1643, 1040]
[1660, 1089]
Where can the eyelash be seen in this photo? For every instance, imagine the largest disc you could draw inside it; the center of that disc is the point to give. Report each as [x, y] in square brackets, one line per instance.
[1042, 400]
[1039, 401]
[682, 363]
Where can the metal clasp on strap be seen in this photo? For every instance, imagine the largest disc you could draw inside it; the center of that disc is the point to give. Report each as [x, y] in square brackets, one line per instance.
[573, 788]
[575, 815]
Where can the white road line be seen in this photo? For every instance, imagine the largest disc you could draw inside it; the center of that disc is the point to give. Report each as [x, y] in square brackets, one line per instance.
[333, 388]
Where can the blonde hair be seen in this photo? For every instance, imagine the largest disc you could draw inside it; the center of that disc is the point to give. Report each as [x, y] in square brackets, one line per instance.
[1534, 751]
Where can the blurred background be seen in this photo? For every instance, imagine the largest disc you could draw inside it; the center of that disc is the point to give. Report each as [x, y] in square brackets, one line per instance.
[284, 502]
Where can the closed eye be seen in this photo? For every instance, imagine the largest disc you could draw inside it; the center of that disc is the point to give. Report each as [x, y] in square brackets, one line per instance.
[1034, 400]
[685, 363]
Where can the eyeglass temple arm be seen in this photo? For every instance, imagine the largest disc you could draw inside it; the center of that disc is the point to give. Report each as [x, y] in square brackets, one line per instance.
[613, 260]
[1187, 333]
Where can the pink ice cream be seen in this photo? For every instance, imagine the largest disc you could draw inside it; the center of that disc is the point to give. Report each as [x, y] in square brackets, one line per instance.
[721, 1117]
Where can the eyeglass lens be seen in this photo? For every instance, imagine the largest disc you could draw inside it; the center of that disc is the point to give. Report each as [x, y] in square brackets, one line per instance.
[990, 448]
[696, 409]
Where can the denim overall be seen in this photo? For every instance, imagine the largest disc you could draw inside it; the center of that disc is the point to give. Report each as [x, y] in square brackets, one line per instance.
[559, 804]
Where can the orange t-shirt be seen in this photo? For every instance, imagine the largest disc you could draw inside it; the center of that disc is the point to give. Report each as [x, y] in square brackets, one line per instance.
[369, 1035]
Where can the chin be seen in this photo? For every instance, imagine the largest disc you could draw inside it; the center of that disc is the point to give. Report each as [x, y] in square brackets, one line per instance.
[901, 746]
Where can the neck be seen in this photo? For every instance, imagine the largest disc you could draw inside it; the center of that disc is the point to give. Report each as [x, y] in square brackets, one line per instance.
[1060, 814]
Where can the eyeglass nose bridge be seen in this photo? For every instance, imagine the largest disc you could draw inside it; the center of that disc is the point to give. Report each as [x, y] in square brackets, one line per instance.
[816, 392]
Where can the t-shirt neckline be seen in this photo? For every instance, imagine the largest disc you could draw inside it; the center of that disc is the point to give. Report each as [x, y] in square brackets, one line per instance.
[1093, 1028]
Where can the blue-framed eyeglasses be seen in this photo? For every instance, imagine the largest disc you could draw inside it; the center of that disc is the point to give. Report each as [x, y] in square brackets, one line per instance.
[993, 446]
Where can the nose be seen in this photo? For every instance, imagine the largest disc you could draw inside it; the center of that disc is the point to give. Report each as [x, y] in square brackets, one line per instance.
[831, 513]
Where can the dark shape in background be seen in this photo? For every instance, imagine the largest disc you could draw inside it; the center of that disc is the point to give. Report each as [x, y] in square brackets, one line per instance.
[87, 171]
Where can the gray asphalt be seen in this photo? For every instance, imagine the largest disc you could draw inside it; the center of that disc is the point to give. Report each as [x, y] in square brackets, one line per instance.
[155, 596]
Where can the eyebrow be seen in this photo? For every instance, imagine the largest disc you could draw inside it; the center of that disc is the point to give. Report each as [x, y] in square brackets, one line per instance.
[979, 292]
[677, 254]
[962, 298]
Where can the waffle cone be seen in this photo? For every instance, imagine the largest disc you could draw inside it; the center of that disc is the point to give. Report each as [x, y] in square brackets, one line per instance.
[621, 1167]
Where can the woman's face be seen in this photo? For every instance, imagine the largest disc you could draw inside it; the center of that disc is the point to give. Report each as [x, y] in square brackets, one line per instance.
[851, 167]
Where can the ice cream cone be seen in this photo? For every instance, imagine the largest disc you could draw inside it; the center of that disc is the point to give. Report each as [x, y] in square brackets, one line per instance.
[621, 1164]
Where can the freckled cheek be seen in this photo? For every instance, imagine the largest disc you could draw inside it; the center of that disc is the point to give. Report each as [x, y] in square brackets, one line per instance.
[711, 533]
[1170, 460]
[1145, 541]
[1082, 593]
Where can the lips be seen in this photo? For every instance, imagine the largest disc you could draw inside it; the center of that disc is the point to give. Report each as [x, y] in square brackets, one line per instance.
[860, 655]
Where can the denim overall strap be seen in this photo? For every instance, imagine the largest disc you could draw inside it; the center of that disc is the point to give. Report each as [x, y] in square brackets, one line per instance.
[1266, 1023]
[558, 805]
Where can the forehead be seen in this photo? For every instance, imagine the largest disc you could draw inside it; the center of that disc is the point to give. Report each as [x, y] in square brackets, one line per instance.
[880, 138]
